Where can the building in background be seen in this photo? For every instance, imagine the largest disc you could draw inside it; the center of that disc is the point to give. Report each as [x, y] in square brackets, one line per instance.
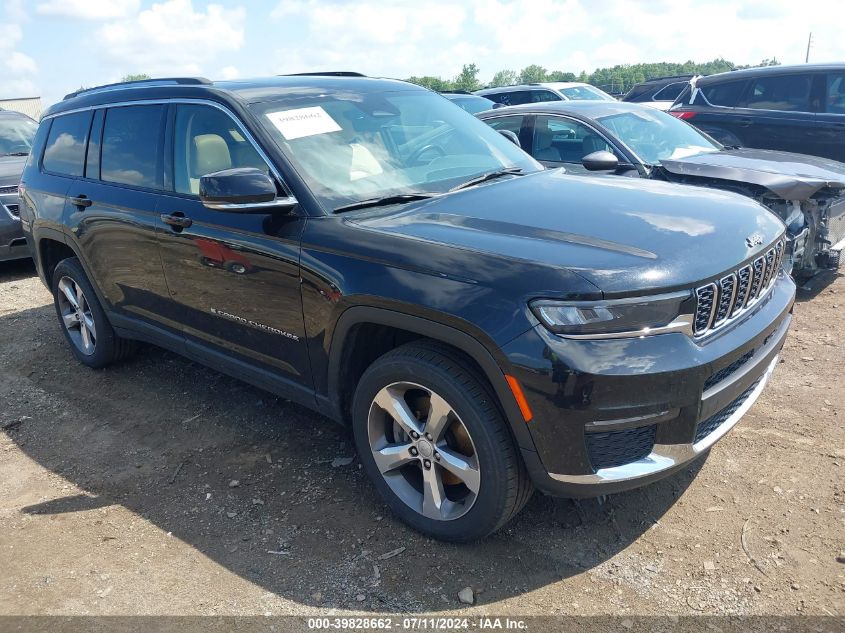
[30, 106]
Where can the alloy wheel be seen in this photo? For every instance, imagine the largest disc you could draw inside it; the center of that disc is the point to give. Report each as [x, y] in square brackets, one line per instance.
[76, 316]
[423, 451]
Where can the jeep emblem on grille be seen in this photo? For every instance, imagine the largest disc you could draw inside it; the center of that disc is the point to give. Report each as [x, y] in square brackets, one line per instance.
[755, 239]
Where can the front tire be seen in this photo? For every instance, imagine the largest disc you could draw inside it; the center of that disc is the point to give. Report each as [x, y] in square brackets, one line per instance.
[91, 337]
[436, 446]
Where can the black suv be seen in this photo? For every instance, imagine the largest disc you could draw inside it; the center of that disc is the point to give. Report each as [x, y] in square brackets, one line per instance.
[368, 249]
[792, 108]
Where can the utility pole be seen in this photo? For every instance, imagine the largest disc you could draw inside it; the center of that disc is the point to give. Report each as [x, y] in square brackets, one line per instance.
[809, 42]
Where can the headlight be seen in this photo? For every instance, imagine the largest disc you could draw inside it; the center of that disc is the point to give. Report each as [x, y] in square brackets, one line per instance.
[620, 318]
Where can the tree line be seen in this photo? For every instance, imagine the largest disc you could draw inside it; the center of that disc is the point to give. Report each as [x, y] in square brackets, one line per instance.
[615, 80]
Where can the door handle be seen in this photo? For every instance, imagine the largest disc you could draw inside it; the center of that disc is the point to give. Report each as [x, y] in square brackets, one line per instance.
[744, 122]
[177, 221]
[81, 202]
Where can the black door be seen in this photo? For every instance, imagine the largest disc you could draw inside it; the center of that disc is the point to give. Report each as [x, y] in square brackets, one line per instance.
[233, 277]
[831, 118]
[48, 176]
[112, 212]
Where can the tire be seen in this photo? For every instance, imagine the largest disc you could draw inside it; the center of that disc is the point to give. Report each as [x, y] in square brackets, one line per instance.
[102, 346]
[483, 482]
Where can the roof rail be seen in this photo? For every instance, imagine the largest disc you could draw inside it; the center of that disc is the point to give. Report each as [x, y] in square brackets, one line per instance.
[163, 81]
[326, 73]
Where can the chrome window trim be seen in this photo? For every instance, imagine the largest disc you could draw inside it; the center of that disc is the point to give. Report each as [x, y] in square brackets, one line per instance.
[190, 101]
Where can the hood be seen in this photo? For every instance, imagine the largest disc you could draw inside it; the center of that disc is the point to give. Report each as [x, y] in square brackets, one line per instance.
[11, 168]
[789, 176]
[623, 235]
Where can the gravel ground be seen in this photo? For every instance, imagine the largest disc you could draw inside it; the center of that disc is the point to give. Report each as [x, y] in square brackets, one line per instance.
[162, 487]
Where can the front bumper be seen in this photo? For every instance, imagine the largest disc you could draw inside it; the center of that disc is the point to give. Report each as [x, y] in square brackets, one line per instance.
[12, 242]
[617, 414]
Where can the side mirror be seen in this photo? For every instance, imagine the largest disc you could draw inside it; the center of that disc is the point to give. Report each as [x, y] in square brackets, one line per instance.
[242, 190]
[511, 136]
[600, 161]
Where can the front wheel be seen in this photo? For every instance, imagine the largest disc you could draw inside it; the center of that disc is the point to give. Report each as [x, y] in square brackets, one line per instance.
[433, 441]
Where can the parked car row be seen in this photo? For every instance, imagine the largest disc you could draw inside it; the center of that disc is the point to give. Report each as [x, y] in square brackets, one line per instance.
[484, 326]
[628, 139]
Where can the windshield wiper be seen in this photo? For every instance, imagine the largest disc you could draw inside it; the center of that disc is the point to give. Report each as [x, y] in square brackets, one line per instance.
[16, 154]
[398, 198]
[490, 175]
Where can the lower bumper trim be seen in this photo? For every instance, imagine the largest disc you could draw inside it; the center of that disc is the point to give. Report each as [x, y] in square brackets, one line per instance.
[665, 457]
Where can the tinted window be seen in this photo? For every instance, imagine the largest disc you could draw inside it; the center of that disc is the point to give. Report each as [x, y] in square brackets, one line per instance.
[206, 140]
[517, 97]
[670, 92]
[564, 140]
[65, 150]
[835, 94]
[512, 123]
[539, 96]
[786, 92]
[131, 139]
[726, 94]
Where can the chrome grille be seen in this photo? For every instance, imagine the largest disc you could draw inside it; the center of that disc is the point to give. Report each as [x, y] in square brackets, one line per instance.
[8, 189]
[727, 289]
[719, 302]
[743, 284]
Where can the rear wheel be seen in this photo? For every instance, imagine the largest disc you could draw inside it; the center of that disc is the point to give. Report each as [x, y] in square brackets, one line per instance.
[92, 339]
[433, 441]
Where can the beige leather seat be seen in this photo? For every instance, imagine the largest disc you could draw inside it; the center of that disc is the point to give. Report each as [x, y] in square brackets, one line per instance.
[209, 153]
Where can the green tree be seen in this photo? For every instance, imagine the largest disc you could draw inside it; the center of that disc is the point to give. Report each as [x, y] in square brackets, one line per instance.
[532, 74]
[559, 75]
[432, 83]
[468, 78]
[135, 77]
[503, 78]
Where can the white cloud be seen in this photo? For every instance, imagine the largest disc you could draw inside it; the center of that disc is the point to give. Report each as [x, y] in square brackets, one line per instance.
[229, 72]
[170, 37]
[17, 68]
[89, 9]
[379, 38]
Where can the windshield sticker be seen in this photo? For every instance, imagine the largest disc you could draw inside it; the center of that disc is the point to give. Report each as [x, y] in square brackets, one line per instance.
[303, 122]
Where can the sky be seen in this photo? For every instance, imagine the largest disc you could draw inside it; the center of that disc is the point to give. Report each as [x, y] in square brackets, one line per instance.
[51, 47]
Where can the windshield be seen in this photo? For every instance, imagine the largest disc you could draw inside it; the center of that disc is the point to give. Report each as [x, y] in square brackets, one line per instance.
[585, 93]
[655, 136]
[16, 134]
[473, 105]
[352, 146]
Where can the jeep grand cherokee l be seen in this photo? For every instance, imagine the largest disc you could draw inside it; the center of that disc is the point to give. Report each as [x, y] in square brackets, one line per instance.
[484, 326]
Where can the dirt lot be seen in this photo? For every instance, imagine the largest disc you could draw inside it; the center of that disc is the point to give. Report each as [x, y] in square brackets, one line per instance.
[162, 487]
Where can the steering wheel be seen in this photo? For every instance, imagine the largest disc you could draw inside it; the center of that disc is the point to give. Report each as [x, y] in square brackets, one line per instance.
[417, 154]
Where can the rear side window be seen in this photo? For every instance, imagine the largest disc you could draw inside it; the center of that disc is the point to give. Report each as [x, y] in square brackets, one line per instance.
[785, 92]
[130, 146]
[65, 150]
[835, 95]
[724, 94]
[518, 97]
[670, 92]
